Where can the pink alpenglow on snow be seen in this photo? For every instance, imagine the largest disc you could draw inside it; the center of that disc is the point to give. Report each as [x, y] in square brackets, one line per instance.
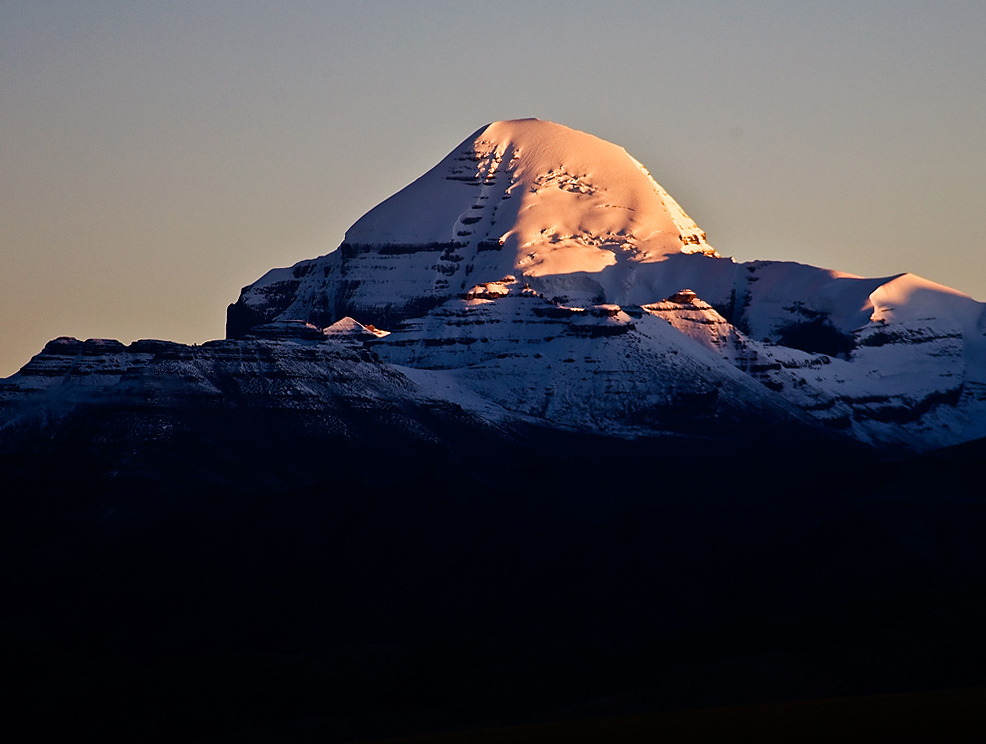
[560, 200]
[528, 197]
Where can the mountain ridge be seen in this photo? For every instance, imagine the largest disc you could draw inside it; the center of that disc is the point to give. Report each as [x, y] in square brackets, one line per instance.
[894, 361]
[543, 270]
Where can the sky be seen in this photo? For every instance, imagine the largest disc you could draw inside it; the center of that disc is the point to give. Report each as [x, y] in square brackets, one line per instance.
[156, 157]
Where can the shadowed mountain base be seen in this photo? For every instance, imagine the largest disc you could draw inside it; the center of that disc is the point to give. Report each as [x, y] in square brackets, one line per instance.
[602, 578]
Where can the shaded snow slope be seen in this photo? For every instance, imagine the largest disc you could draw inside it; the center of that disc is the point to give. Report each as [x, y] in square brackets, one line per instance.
[495, 366]
[909, 383]
[108, 399]
[593, 368]
[900, 383]
[503, 352]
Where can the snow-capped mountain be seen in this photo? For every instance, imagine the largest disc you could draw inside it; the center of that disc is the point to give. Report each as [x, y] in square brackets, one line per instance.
[539, 274]
[483, 460]
[895, 360]
[526, 197]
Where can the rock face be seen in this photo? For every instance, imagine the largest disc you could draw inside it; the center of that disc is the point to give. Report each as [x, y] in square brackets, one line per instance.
[244, 411]
[514, 362]
[579, 224]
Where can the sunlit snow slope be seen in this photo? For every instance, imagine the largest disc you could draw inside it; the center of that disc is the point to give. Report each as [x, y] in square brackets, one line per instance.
[521, 197]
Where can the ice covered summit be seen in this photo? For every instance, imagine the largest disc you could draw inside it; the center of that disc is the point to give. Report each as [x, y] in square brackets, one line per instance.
[525, 197]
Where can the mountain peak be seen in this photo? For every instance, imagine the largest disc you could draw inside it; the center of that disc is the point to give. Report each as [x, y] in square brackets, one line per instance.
[570, 213]
[558, 200]
[531, 239]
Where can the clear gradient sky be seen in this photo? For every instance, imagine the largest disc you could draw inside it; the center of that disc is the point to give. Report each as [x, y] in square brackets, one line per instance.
[157, 156]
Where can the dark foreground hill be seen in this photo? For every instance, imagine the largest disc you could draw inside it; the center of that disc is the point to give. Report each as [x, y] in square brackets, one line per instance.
[434, 587]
